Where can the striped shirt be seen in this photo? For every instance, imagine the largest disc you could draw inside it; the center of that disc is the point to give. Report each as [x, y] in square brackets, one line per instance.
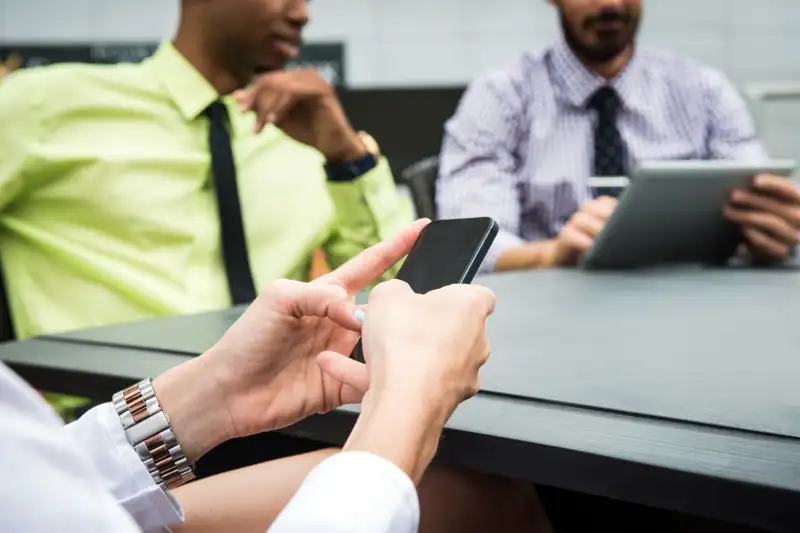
[520, 146]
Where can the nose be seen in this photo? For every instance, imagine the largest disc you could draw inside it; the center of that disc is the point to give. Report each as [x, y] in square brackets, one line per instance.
[297, 13]
[613, 4]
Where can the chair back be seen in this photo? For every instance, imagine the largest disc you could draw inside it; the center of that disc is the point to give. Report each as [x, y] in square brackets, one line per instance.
[421, 181]
[6, 326]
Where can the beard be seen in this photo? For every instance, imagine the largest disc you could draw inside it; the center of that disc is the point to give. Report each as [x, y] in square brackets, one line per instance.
[609, 43]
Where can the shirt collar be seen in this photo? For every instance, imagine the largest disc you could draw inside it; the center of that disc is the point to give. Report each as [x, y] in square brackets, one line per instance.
[191, 92]
[576, 84]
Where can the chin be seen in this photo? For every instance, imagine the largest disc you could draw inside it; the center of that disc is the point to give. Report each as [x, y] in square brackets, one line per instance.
[265, 69]
[271, 64]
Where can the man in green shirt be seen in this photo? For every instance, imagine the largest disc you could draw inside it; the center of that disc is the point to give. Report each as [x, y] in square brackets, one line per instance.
[108, 210]
[110, 202]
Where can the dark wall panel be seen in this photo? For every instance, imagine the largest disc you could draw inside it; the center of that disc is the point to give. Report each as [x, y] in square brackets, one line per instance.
[408, 123]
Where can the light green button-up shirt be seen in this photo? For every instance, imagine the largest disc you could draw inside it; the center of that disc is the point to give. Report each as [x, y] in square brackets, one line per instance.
[107, 211]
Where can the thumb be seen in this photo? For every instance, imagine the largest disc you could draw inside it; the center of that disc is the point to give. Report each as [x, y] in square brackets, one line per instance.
[352, 374]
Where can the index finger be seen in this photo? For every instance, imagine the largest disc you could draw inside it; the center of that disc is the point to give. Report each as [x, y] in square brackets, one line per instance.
[779, 186]
[370, 264]
[601, 207]
[245, 98]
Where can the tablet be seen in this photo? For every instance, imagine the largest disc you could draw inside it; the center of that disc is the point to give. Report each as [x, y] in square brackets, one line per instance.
[671, 212]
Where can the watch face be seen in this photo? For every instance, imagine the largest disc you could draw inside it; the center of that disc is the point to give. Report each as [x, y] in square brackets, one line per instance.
[370, 144]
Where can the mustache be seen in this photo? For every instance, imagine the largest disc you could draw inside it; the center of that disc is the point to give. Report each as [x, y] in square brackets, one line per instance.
[606, 16]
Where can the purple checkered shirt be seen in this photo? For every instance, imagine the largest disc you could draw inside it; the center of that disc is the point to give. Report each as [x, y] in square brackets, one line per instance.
[520, 146]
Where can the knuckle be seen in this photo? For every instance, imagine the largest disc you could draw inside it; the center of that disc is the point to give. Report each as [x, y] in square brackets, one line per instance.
[568, 233]
[580, 217]
[480, 296]
[387, 288]
[474, 389]
[283, 284]
[794, 217]
[281, 289]
[486, 355]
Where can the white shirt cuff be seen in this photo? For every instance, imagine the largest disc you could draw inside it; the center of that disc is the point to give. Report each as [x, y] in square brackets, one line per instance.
[99, 433]
[352, 492]
[502, 243]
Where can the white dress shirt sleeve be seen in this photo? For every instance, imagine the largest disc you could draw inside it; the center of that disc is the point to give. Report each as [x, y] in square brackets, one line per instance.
[101, 437]
[352, 492]
[47, 482]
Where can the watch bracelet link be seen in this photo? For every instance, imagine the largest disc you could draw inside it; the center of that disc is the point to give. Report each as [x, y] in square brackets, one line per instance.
[148, 430]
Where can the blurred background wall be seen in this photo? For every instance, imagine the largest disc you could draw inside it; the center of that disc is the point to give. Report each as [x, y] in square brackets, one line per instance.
[407, 61]
[392, 43]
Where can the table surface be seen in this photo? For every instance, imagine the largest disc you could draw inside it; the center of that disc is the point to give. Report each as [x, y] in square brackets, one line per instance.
[669, 388]
[684, 344]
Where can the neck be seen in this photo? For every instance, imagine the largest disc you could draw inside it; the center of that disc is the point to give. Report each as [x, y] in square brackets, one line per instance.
[610, 69]
[198, 51]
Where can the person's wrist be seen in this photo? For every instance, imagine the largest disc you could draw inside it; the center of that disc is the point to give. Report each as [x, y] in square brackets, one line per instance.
[346, 149]
[339, 142]
[549, 252]
[401, 427]
[430, 399]
[196, 408]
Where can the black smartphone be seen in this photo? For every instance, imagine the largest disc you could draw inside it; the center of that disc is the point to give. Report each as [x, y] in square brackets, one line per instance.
[447, 252]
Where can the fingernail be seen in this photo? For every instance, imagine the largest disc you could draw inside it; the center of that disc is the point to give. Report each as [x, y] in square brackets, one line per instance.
[359, 314]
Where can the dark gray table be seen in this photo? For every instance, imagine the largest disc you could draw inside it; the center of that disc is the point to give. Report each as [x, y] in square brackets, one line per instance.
[668, 388]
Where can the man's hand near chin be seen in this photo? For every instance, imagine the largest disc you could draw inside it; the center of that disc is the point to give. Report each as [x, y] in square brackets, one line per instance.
[305, 106]
[769, 215]
[574, 239]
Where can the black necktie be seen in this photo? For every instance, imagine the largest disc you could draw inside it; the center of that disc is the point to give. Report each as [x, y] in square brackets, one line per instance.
[234, 246]
[609, 150]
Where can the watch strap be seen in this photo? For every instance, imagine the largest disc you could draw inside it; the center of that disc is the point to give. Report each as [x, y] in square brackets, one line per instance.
[351, 170]
[148, 430]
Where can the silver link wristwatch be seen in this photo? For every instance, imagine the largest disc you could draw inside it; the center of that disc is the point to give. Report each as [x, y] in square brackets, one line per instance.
[148, 430]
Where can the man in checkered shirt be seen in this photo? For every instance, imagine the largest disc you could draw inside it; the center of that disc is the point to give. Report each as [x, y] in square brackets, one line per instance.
[525, 139]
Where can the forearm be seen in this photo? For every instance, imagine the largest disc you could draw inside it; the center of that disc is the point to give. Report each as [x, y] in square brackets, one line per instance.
[403, 430]
[246, 500]
[195, 407]
[529, 255]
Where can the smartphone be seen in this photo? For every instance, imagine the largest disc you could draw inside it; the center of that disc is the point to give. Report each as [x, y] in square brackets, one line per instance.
[447, 252]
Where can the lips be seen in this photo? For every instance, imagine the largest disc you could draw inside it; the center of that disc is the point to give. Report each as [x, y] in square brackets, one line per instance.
[609, 25]
[288, 47]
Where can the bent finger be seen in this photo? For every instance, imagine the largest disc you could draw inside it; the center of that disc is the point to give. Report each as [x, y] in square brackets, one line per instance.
[347, 371]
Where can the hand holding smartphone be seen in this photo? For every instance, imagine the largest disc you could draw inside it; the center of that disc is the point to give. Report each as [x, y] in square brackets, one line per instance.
[446, 252]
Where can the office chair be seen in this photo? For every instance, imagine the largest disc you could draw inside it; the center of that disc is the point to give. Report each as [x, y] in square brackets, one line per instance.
[421, 181]
[6, 326]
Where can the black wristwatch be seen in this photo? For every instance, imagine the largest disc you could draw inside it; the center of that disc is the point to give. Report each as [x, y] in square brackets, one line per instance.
[352, 170]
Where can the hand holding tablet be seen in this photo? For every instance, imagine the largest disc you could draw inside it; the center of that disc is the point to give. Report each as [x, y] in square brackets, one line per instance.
[581, 230]
[769, 215]
[675, 212]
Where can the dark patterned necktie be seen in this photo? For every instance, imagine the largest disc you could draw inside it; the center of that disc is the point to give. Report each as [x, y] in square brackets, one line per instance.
[232, 237]
[609, 149]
